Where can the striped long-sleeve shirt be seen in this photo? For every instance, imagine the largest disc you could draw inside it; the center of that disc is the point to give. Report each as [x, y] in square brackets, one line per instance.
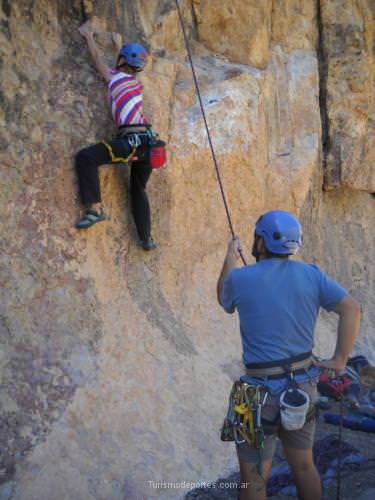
[125, 98]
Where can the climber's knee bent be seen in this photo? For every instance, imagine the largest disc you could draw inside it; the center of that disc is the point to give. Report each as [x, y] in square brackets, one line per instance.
[87, 161]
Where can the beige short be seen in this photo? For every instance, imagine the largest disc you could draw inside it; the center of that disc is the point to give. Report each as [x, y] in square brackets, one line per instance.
[302, 439]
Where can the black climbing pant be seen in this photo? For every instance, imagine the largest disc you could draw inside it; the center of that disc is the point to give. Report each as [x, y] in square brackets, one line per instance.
[89, 159]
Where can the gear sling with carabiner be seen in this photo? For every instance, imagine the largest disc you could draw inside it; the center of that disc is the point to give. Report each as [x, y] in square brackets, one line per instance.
[243, 423]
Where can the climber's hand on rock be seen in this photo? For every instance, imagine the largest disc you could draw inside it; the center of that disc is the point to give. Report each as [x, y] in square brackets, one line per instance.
[234, 248]
[86, 29]
[117, 40]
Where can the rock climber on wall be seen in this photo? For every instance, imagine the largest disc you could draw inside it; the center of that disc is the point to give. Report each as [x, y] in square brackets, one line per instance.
[135, 140]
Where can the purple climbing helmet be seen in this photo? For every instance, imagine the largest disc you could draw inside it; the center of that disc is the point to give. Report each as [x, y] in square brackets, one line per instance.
[135, 55]
[281, 232]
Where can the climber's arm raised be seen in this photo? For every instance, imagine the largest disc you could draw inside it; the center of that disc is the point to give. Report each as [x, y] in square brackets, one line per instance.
[87, 31]
[224, 292]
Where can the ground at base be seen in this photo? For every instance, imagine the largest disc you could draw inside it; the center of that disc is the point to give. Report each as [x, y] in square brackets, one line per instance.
[356, 481]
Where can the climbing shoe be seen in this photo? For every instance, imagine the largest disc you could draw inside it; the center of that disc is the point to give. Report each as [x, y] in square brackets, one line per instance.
[148, 244]
[90, 218]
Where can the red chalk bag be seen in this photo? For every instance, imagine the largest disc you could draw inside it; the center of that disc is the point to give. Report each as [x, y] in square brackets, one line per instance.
[158, 154]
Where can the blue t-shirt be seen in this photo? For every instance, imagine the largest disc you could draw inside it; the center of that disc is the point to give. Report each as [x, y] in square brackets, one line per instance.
[278, 302]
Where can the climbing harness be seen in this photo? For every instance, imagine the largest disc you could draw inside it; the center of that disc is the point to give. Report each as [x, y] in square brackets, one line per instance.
[277, 369]
[136, 135]
[119, 159]
[156, 148]
[243, 422]
[218, 175]
[295, 403]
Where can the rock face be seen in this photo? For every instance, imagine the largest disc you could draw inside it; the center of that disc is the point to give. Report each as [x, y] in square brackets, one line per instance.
[115, 364]
[347, 32]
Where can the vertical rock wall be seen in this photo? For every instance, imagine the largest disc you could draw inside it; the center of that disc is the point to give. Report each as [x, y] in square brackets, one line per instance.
[115, 364]
[347, 31]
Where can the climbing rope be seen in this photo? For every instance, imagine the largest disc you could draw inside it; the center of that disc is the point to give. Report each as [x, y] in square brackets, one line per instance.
[218, 175]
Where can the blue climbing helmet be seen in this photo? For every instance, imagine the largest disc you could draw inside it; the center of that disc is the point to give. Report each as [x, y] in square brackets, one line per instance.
[135, 55]
[281, 232]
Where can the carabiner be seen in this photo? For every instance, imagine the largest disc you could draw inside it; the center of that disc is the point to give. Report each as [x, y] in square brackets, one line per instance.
[134, 140]
[237, 441]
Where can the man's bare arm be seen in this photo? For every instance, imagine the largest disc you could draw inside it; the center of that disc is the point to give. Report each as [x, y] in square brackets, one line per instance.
[230, 262]
[349, 312]
[87, 31]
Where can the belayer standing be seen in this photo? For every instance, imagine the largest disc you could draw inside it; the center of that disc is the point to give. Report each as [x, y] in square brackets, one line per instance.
[278, 302]
[135, 142]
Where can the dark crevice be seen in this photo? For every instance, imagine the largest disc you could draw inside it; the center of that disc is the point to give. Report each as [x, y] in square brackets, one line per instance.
[6, 7]
[84, 15]
[195, 22]
[4, 23]
[323, 78]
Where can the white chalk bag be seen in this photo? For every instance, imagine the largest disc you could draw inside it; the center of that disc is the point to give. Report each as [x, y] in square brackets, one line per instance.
[294, 406]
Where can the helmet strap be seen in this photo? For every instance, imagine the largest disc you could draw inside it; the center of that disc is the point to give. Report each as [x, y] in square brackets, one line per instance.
[125, 65]
[255, 252]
